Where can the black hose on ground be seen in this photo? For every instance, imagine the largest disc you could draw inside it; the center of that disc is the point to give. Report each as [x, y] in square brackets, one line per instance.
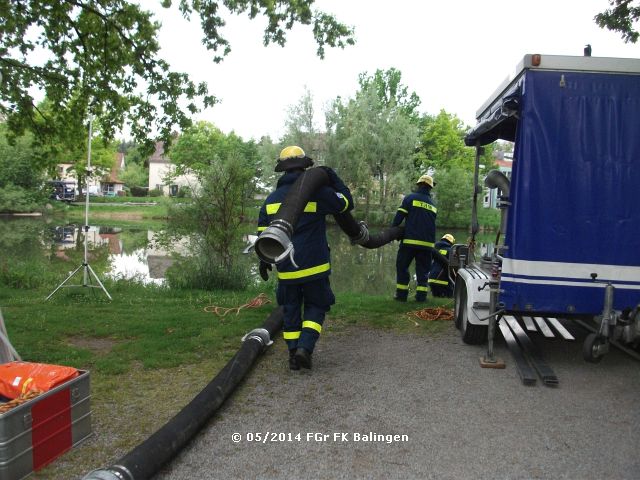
[148, 457]
[274, 243]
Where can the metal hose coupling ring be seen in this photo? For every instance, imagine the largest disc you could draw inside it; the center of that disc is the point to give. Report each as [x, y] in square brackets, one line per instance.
[363, 235]
[261, 335]
[110, 473]
[274, 244]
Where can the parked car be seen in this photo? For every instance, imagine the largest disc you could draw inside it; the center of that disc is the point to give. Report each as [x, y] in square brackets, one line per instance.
[63, 191]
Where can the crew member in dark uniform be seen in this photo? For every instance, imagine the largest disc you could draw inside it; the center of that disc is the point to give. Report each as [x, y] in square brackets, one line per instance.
[304, 290]
[418, 211]
[439, 282]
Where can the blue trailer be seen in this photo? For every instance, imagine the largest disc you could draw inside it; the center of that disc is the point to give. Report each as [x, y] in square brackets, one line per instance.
[569, 241]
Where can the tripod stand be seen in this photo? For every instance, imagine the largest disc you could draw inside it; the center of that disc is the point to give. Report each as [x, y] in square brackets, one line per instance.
[87, 271]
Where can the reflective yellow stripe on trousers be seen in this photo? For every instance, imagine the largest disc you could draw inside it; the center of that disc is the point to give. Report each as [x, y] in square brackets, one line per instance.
[312, 325]
[291, 335]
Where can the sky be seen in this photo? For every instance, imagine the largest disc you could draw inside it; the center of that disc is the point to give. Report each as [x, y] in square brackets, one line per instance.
[453, 54]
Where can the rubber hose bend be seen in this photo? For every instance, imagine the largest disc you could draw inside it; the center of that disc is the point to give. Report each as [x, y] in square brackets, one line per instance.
[359, 233]
[148, 457]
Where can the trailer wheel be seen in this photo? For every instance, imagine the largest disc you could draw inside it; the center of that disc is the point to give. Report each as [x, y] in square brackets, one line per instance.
[471, 334]
[590, 348]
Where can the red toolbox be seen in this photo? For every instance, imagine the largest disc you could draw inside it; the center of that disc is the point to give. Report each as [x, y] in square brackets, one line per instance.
[38, 431]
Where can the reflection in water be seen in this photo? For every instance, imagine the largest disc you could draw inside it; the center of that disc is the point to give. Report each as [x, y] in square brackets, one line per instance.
[135, 266]
[133, 254]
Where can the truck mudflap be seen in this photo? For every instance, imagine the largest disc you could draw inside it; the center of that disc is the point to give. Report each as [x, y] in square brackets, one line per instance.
[476, 302]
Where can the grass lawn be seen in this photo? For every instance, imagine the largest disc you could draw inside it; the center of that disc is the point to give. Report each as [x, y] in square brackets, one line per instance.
[152, 349]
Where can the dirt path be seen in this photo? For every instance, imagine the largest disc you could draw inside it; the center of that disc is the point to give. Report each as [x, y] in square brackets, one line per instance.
[460, 421]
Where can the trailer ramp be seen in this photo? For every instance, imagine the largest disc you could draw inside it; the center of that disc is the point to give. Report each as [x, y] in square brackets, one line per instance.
[525, 353]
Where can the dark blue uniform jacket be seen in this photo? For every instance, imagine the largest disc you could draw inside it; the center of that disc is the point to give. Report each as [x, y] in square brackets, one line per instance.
[311, 250]
[419, 212]
[438, 272]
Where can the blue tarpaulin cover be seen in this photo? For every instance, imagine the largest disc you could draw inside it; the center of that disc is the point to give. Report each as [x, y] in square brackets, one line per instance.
[575, 193]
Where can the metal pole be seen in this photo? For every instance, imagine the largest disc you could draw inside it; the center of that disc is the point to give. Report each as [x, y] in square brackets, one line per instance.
[86, 268]
[86, 203]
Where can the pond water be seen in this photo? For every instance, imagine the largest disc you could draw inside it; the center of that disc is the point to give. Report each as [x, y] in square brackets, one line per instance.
[131, 252]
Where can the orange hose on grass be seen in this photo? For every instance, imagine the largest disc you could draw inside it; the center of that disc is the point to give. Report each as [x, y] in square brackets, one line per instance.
[259, 301]
[433, 313]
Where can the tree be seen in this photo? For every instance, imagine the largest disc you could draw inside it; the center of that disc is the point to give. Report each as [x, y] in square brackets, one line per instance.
[21, 179]
[300, 125]
[442, 144]
[267, 157]
[135, 175]
[372, 140]
[19, 162]
[453, 195]
[622, 17]
[225, 167]
[103, 57]
[390, 91]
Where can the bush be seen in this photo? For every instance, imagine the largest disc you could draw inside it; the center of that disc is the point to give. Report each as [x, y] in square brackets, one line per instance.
[26, 274]
[184, 192]
[14, 199]
[156, 192]
[201, 273]
[139, 191]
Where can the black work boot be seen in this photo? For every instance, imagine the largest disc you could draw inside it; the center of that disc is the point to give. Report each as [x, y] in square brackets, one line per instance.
[293, 361]
[303, 358]
[399, 299]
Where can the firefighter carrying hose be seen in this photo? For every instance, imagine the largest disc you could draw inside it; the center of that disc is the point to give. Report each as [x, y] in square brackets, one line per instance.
[304, 290]
[418, 211]
[439, 281]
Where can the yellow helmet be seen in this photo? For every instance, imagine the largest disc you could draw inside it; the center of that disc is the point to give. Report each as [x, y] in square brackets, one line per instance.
[292, 158]
[450, 238]
[291, 152]
[427, 180]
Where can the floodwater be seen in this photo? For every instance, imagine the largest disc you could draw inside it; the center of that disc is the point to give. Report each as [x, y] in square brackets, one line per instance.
[134, 253]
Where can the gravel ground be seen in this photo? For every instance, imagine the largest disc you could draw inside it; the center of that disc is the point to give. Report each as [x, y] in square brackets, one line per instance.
[460, 421]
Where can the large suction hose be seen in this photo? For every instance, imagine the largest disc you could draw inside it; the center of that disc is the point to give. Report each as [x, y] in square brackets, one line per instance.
[148, 457]
[274, 244]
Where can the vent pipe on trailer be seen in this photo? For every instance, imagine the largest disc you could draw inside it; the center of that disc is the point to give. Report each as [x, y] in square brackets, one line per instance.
[497, 179]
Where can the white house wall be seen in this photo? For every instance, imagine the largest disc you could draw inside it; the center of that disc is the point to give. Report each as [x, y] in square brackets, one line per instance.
[157, 173]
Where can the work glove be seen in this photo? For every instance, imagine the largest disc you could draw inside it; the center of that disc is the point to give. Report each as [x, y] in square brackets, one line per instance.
[264, 268]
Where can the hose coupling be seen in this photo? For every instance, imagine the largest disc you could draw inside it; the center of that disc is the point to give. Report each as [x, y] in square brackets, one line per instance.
[363, 235]
[261, 335]
[274, 245]
[115, 472]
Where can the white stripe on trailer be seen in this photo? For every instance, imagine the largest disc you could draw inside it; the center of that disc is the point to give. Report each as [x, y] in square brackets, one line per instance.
[560, 328]
[573, 271]
[620, 286]
[528, 322]
[544, 328]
